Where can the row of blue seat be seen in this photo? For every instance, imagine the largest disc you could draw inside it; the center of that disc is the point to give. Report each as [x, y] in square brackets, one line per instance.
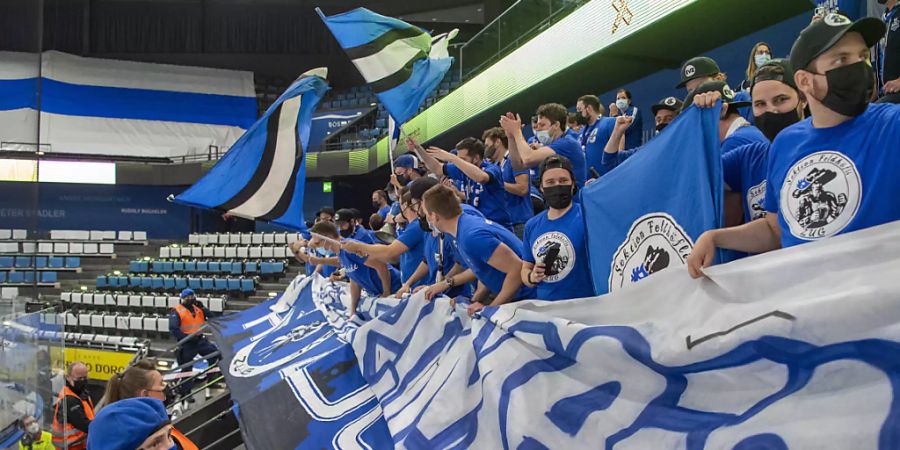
[28, 277]
[157, 283]
[203, 266]
[40, 262]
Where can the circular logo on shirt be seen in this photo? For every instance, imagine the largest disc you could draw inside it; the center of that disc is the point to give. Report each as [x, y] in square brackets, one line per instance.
[836, 20]
[689, 70]
[755, 197]
[558, 244]
[654, 242]
[820, 195]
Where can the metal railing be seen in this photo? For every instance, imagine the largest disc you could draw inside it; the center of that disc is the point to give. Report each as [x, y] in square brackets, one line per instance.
[522, 21]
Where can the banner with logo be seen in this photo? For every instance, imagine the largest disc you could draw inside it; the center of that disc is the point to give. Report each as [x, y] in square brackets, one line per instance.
[293, 375]
[793, 349]
[644, 215]
[101, 364]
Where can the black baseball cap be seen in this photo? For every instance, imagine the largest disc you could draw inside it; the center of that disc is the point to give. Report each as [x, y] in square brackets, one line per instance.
[345, 215]
[716, 86]
[701, 66]
[822, 34]
[670, 103]
[775, 69]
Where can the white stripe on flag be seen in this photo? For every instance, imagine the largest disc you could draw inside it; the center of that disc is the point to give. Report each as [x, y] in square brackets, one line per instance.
[267, 196]
[388, 61]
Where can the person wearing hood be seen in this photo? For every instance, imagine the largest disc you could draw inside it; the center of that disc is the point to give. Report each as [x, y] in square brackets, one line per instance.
[74, 409]
[132, 424]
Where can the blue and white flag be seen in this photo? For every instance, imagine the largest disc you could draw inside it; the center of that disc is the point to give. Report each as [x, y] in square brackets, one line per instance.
[793, 349]
[402, 62]
[263, 175]
[294, 376]
[644, 216]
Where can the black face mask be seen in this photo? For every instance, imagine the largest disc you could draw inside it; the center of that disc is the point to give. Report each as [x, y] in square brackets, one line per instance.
[423, 224]
[348, 232]
[580, 119]
[403, 180]
[376, 204]
[771, 123]
[558, 197]
[169, 392]
[661, 126]
[78, 386]
[849, 88]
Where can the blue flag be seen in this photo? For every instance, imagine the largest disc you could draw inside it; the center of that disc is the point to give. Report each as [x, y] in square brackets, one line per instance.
[263, 174]
[402, 62]
[645, 215]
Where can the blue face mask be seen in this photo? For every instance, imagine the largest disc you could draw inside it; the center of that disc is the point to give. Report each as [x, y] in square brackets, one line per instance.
[761, 58]
[543, 137]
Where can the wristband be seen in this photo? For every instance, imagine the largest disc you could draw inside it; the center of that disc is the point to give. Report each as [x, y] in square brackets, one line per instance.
[530, 281]
[450, 281]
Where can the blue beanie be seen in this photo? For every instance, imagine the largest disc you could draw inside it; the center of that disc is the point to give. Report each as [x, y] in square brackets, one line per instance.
[125, 424]
[187, 293]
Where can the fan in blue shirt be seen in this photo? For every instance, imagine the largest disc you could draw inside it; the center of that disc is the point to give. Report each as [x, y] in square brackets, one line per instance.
[550, 126]
[624, 107]
[377, 278]
[381, 203]
[835, 172]
[483, 180]
[555, 253]
[595, 133]
[492, 252]
[516, 183]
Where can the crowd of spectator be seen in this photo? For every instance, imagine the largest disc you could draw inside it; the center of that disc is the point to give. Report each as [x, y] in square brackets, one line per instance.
[499, 218]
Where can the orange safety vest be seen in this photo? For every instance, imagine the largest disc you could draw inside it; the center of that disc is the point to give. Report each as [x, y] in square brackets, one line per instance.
[190, 323]
[182, 441]
[70, 437]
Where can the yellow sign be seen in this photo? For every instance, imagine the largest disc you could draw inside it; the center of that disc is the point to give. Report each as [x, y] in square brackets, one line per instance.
[101, 364]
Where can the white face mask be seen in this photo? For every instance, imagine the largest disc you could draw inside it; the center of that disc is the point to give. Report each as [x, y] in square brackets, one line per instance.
[543, 137]
[33, 428]
[761, 58]
[622, 103]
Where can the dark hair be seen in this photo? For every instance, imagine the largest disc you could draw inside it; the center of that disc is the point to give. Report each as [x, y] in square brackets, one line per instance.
[325, 210]
[554, 112]
[419, 186]
[327, 229]
[376, 222]
[590, 100]
[443, 201]
[406, 198]
[496, 133]
[626, 92]
[130, 382]
[472, 146]
[572, 118]
[381, 193]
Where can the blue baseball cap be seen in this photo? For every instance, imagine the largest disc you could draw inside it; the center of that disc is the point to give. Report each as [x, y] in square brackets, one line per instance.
[187, 293]
[125, 424]
[406, 161]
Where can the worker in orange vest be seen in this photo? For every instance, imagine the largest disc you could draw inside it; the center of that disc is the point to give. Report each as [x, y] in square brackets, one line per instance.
[74, 410]
[185, 319]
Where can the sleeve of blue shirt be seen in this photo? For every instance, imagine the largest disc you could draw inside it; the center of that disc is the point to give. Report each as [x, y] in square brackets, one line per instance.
[528, 239]
[496, 178]
[731, 170]
[412, 236]
[395, 208]
[175, 326]
[771, 201]
[454, 173]
[484, 241]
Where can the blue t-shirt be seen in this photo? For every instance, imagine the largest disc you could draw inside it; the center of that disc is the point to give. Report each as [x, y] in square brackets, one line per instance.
[742, 136]
[366, 277]
[477, 239]
[519, 207]
[433, 252]
[384, 211]
[633, 133]
[744, 171]
[570, 132]
[828, 181]
[489, 198]
[363, 235]
[593, 139]
[568, 147]
[571, 275]
[414, 239]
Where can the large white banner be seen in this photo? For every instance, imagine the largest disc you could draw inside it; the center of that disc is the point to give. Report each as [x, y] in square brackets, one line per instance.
[794, 349]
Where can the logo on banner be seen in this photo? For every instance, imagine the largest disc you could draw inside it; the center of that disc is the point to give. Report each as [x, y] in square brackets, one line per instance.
[820, 195]
[755, 197]
[654, 242]
[555, 243]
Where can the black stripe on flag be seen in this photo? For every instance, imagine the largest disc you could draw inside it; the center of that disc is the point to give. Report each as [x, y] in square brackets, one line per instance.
[374, 46]
[397, 78]
[284, 202]
[262, 170]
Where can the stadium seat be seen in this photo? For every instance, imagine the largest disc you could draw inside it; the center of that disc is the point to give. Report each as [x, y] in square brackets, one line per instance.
[247, 285]
[157, 283]
[181, 283]
[251, 267]
[231, 252]
[101, 282]
[3, 277]
[237, 268]
[267, 252]
[73, 262]
[23, 262]
[243, 252]
[193, 238]
[60, 247]
[29, 277]
[40, 262]
[202, 266]
[6, 262]
[234, 284]
[139, 236]
[213, 267]
[219, 252]
[146, 282]
[76, 248]
[225, 267]
[190, 266]
[134, 282]
[255, 252]
[164, 252]
[221, 284]
[124, 281]
[148, 302]
[156, 266]
[194, 283]
[134, 266]
[56, 262]
[48, 277]
[6, 234]
[246, 238]
[125, 235]
[107, 249]
[208, 252]
[91, 248]
[178, 266]
[168, 283]
[216, 304]
[207, 283]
